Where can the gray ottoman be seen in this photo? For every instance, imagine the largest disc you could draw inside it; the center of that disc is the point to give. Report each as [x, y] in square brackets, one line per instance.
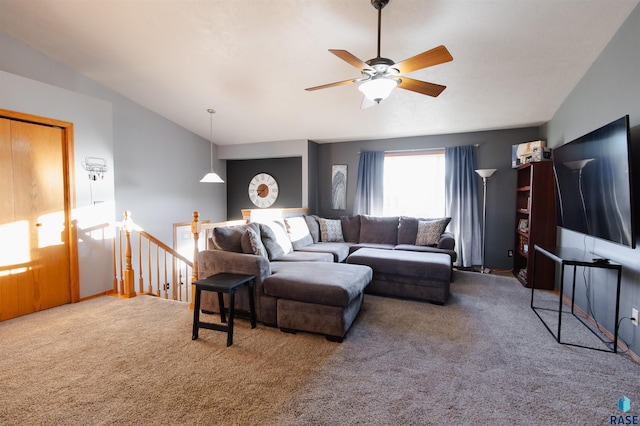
[317, 297]
[407, 274]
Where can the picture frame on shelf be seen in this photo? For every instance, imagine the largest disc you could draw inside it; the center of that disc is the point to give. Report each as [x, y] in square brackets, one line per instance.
[523, 225]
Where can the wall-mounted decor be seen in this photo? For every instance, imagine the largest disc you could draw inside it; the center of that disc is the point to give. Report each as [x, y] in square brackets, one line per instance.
[95, 167]
[339, 187]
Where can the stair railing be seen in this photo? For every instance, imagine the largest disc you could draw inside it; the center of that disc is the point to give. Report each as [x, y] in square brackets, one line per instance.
[163, 270]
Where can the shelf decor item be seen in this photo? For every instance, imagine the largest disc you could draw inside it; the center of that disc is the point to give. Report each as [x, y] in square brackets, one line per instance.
[523, 225]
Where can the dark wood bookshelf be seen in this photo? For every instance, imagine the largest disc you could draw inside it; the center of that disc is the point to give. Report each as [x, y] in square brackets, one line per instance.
[535, 224]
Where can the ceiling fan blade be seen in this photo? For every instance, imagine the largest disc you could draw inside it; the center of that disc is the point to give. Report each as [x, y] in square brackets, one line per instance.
[430, 89]
[337, 83]
[437, 55]
[350, 59]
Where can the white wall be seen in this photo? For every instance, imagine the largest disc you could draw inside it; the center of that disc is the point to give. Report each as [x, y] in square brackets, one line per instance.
[157, 164]
[93, 137]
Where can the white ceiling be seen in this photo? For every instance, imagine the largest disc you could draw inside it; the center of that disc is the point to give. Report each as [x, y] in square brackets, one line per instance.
[515, 61]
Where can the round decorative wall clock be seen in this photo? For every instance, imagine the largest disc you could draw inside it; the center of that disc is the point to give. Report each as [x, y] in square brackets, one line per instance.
[263, 190]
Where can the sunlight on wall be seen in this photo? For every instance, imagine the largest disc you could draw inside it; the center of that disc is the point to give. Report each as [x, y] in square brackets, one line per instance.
[94, 221]
[50, 229]
[18, 252]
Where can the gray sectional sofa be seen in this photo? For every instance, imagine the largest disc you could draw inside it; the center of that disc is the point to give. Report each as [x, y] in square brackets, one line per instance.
[310, 277]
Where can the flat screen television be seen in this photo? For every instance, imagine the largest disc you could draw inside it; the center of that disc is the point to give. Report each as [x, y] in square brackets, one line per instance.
[593, 184]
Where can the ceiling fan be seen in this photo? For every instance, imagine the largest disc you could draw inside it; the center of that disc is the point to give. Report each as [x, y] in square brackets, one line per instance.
[381, 75]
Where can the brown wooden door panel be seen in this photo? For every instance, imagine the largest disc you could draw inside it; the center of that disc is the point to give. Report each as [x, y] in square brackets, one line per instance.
[40, 242]
[9, 256]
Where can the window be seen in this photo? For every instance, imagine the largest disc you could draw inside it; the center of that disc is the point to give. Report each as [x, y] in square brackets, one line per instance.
[414, 184]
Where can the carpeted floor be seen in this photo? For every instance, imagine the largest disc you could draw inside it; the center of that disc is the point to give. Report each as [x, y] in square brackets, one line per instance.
[484, 358]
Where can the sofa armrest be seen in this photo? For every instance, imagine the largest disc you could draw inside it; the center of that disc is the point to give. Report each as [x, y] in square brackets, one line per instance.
[216, 261]
[447, 241]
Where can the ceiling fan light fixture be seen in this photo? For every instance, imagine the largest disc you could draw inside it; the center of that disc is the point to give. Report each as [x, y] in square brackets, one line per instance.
[377, 89]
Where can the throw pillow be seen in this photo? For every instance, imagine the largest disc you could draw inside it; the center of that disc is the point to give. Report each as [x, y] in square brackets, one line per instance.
[228, 238]
[330, 230]
[314, 227]
[298, 232]
[251, 240]
[429, 231]
[275, 239]
[408, 228]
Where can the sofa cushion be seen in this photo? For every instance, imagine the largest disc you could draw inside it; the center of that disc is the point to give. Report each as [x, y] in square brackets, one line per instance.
[229, 238]
[298, 232]
[330, 230]
[427, 249]
[339, 251]
[330, 284]
[306, 256]
[275, 239]
[408, 228]
[429, 231]
[351, 228]
[314, 227]
[379, 230]
[355, 247]
[428, 266]
[252, 243]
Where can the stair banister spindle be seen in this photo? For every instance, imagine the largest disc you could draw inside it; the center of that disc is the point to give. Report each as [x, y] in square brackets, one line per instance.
[115, 263]
[121, 291]
[195, 230]
[129, 281]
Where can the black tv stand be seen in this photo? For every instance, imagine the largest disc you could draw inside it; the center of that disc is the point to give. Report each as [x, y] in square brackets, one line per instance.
[576, 257]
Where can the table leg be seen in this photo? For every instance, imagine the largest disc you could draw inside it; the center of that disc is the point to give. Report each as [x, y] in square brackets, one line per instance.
[223, 317]
[232, 294]
[560, 303]
[615, 334]
[196, 314]
[252, 306]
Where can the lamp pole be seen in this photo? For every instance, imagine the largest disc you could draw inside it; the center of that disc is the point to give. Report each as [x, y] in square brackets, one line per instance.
[484, 174]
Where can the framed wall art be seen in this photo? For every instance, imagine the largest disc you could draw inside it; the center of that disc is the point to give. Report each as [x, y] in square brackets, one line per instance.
[339, 187]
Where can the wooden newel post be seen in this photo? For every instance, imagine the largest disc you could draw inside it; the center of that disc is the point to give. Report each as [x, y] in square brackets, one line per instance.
[129, 286]
[195, 230]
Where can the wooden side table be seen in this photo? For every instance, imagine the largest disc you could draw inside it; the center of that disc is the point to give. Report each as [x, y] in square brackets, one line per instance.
[223, 283]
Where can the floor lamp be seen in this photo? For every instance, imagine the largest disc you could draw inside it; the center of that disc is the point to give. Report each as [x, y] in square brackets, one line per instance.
[484, 174]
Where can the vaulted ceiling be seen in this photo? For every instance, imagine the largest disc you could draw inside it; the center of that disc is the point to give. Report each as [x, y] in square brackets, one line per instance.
[514, 63]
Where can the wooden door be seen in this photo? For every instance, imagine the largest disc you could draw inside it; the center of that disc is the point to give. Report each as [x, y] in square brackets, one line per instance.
[34, 239]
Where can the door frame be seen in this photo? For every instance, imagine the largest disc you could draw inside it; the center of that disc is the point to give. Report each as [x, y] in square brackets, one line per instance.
[69, 189]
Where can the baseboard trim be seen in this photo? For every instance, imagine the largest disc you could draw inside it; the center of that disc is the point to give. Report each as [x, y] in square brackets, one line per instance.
[104, 293]
[622, 347]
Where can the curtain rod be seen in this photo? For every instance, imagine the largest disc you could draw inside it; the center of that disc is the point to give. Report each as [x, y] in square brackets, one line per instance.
[397, 151]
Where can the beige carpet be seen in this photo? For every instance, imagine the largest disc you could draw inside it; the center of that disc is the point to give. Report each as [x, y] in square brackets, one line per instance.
[484, 358]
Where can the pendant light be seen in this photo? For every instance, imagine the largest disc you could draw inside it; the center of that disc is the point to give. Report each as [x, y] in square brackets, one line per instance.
[211, 177]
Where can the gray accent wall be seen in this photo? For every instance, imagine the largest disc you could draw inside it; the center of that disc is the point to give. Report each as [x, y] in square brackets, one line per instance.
[286, 171]
[314, 150]
[494, 152]
[609, 90]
